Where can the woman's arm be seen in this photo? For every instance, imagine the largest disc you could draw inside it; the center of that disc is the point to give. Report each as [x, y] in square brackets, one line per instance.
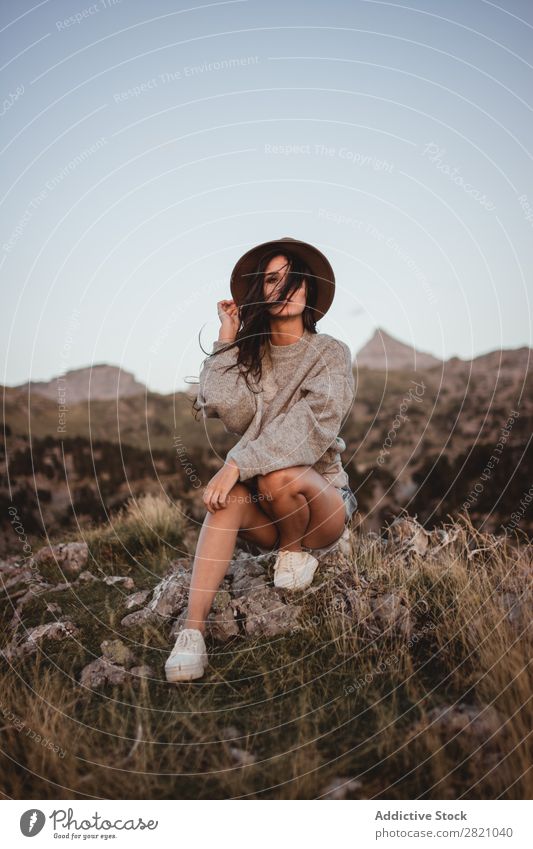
[300, 436]
[224, 394]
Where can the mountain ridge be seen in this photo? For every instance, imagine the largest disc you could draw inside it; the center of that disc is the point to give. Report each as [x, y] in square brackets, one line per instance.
[382, 352]
[99, 382]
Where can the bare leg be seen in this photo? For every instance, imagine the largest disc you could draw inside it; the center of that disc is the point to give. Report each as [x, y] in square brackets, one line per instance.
[307, 509]
[289, 508]
[216, 544]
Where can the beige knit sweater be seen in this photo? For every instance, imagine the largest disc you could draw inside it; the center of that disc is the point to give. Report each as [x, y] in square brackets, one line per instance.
[306, 391]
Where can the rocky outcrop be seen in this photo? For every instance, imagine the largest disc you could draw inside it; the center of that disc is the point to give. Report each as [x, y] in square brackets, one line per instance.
[168, 598]
[246, 605]
[374, 611]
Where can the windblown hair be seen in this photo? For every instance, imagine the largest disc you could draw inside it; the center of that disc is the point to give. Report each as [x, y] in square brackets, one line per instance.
[254, 315]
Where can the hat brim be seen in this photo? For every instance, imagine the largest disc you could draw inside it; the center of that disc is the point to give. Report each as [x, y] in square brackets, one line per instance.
[320, 267]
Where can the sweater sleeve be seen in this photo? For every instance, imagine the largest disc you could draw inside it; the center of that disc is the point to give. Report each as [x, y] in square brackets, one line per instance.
[225, 395]
[300, 436]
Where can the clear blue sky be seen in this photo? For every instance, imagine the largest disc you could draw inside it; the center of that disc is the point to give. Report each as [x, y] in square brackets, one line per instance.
[146, 146]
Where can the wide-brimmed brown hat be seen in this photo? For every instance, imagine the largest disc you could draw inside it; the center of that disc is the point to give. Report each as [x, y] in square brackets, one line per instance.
[241, 276]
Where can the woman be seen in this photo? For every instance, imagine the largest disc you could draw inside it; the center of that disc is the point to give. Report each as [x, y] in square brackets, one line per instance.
[286, 390]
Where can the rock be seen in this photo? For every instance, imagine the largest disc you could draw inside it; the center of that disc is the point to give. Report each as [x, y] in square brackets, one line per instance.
[71, 557]
[246, 574]
[261, 612]
[144, 616]
[101, 671]
[354, 602]
[136, 599]
[221, 600]
[344, 546]
[142, 671]
[87, 577]
[222, 625]
[16, 577]
[478, 737]
[31, 593]
[125, 580]
[374, 611]
[117, 652]
[342, 788]
[219, 626]
[105, 670]
[351, 597]
[333, 561]
[264, 613]
[178, 624]
[390, 611]
[439, 537]
[171, 594]
[35, 637]
[169, 597]
[406, 536]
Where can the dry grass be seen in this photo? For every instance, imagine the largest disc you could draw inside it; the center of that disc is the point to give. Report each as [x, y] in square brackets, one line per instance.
[336, 700]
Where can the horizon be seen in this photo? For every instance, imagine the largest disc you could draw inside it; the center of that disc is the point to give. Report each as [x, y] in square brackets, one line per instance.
[186, 387]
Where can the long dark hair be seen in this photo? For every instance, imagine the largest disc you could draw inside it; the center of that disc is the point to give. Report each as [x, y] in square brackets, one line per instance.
[254, 330]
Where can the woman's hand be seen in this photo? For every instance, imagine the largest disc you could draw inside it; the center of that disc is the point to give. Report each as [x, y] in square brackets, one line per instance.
[217, 490]
[228, 313]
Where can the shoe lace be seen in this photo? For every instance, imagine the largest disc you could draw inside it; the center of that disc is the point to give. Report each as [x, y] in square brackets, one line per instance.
[187, 638]
[286, 562]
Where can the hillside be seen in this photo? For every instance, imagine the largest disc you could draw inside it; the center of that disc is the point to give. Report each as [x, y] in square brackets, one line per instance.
[415, 440]
[401, 673]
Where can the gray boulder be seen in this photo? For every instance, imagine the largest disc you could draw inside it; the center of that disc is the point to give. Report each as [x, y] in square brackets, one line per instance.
[35, 638]
[264, 612]
[102, 671]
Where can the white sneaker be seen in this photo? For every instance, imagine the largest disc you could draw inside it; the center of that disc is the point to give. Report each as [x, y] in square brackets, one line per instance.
[188, 658]
[294, 570]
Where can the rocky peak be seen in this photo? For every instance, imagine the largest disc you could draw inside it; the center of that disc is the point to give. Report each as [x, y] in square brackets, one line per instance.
[385, 352]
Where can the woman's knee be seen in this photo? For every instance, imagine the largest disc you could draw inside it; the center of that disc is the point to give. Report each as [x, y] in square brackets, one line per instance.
[280, 482]
[238, 497]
